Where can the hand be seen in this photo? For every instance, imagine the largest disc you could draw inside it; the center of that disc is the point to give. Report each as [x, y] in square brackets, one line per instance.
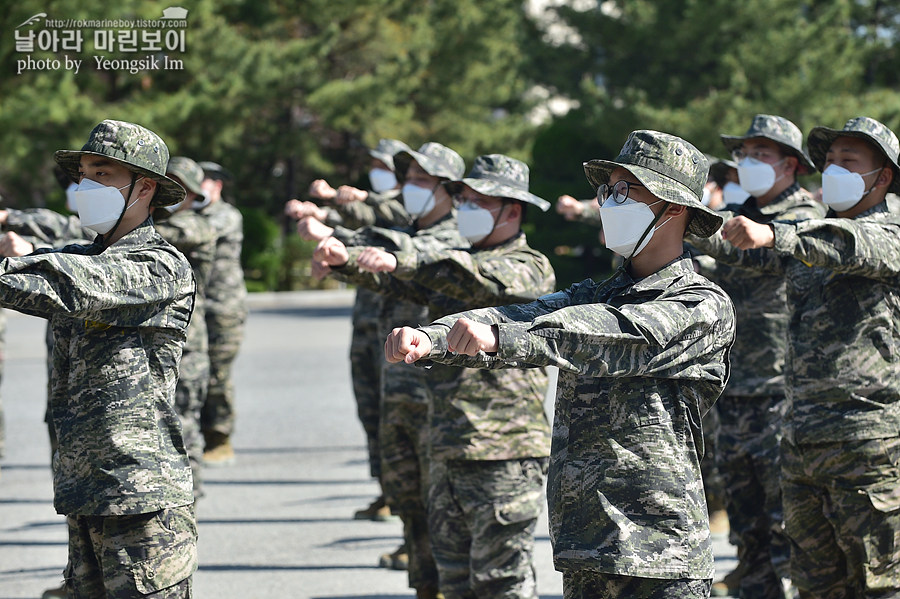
[745, 234]
[312, 229]
[331, 252]
[322, 190]
[569, 207]
[406, 345]
[469, 337]
[347, 194]
[296, 209]
[12, 244]
[319, 270]
[377, 260]
[4, 214]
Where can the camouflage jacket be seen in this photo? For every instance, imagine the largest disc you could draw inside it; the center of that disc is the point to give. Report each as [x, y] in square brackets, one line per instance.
[193, 236]
[394, 312]
[760, 299]
[226, 293]
[378, 210]
[119, 318]
[477, 414]
[47, 229]
[843, 293]
[640, 363]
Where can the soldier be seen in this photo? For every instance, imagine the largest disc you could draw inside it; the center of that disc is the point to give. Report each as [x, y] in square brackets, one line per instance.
[489, 435]
[641, 357]
[752, 407]
[381, 208]
[194, 237]
[119, 308]
[839, 452]
[403, 429]
[226, 312]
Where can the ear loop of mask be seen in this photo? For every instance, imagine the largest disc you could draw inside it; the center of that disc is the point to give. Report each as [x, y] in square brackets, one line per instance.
[134, 180]
[877, 170]
[647, 232]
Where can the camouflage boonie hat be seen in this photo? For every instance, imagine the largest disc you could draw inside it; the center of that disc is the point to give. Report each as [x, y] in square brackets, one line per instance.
[386, 149]
[671, 168]
[138, 148]
[778, 129]
[213, 170]
[501, 177]
[435, 159]
[188, 172]
[863, 127]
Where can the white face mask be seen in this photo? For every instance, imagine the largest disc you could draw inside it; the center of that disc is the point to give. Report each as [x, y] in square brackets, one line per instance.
[418, 201]
[71, 204]
[757, 177]
[734, 193]
[474, 222]
[382, 180]
[842, 189]
[623, 225]
[707, 196]
[100, 206]
[172, 209]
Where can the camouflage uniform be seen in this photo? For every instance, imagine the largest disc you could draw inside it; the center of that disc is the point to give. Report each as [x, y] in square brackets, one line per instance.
[624, 488]
[403, 428]
[489, 436]
[366, 346]
[226, 312]
[752, 407]
[840, 482]
[2, 362]
[193, 236]
[45, 228]
[119, 315]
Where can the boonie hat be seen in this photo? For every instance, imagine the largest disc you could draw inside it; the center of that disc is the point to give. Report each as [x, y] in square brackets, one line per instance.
[499, 176]
[778, 129]
[435, 159]
[138, 148]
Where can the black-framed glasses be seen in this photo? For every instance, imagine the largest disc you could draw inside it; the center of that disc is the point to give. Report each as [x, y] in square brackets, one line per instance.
[619, 189]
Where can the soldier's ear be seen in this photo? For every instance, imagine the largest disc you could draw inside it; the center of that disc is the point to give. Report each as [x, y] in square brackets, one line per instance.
[674, 210]
[885, 177]
[146, 188]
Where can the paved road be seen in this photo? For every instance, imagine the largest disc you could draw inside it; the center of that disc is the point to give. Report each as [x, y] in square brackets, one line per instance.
[274, 525]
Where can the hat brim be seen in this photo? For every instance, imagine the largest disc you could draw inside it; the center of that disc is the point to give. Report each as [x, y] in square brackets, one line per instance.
[387, 159]
[433, 167]
[498, 190]
[820, 139]
[169, 191]
[733, 142]
[705, 221]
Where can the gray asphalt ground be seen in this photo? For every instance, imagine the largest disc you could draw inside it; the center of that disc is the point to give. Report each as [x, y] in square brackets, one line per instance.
[276, 524]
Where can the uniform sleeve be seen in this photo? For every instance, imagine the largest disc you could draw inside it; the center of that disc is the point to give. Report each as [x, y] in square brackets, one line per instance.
[660, 338]
[765, 260]
[505, 279]
[590, 213]
[376, 210]
[380, 282]
[868, 249]
[46, 227]
[81, 286]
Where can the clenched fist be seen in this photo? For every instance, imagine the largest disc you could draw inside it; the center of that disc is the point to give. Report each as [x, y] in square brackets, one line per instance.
[406, 344]
[745, 234]
[469, 337]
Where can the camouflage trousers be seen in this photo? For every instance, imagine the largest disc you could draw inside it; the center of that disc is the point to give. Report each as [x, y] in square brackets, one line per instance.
[712, 480]
[842, 516]
[218, 409]
[749, 462]
[482, 516]
[190, 394]
[403, 434]
[124, 557]
[587, 584]
[366, 357]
